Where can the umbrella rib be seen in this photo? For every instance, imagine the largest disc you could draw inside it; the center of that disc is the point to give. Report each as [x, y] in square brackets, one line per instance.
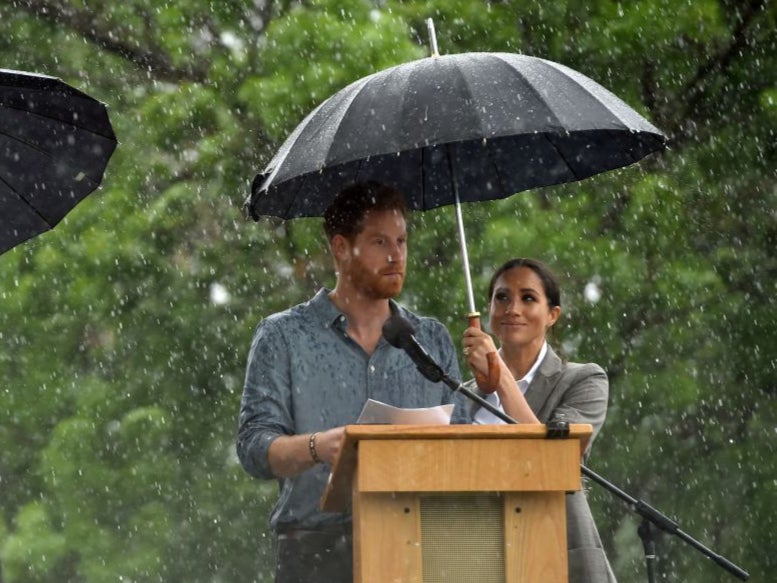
[64, 122]
[25, 201]
[571, 76]
[42, 152]
[561, 155]
[463, 78]
[351, 99]
[497, 173]
[292, 198]
[493, 163]
[28, 144]
[530, 87]
[629, 153]
[422, 161]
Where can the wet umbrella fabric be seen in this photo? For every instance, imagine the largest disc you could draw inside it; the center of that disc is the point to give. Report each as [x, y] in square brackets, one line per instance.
[473, 126]
[55, 143]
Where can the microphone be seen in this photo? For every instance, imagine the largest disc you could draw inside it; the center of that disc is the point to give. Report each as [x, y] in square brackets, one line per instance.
[399, 332]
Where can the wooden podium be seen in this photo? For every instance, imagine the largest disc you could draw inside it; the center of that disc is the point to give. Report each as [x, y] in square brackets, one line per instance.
[457, 503]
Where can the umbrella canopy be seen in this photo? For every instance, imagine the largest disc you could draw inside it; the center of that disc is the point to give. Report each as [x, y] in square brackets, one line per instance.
[479, 126]
[55, 143]
[451, 129]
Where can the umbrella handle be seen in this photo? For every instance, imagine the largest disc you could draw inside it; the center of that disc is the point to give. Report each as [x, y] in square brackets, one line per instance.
[487, 384]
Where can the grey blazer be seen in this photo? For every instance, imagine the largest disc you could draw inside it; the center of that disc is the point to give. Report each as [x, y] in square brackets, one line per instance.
[576, 393]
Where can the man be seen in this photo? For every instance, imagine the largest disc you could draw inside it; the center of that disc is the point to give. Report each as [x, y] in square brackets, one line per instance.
[311, 368]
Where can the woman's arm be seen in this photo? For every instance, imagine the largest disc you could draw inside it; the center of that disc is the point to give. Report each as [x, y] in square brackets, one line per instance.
[477, 345]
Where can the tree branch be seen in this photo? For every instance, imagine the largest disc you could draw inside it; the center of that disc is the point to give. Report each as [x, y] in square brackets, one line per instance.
[153, 58]
[696, 89]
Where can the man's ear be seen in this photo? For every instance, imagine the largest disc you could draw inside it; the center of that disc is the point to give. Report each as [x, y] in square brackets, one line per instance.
[341, 247]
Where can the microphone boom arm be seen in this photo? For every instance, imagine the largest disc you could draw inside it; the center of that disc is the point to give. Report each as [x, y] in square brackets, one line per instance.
[400, 333]
[650, 515]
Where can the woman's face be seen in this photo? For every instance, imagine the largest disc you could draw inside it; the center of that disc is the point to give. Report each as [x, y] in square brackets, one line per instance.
[519, 311]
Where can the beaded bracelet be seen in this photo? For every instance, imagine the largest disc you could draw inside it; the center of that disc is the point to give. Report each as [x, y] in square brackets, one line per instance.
[312, 448]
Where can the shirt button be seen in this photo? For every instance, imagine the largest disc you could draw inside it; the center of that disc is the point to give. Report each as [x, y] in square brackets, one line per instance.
[372, 369]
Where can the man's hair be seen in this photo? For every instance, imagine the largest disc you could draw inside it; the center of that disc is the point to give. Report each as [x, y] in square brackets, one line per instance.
[346, 214]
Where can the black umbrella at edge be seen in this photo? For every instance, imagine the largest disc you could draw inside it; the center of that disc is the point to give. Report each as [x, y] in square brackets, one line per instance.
[55, 143]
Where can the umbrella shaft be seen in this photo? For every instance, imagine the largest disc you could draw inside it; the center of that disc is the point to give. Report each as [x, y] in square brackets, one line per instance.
[464, 255]
[462, 235]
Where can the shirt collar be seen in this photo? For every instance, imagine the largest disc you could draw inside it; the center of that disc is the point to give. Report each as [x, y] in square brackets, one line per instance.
[324, 309]
[529, 376]
[327, 313]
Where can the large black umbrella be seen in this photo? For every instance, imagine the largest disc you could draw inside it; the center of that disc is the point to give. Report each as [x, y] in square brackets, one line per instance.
[456, 128]
[55, 143]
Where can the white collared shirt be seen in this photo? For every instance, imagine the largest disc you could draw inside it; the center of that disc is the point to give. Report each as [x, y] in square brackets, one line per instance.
[486, 417]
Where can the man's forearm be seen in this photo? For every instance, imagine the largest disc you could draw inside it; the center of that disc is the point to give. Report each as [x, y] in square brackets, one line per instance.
[289, 455]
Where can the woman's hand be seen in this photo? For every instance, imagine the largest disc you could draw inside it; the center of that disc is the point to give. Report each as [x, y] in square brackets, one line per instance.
[476, 346]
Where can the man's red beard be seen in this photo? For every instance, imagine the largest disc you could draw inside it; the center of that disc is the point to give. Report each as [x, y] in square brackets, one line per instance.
[377, 286]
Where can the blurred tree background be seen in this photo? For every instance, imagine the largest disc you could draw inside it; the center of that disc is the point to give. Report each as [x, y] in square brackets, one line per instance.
[124, 331]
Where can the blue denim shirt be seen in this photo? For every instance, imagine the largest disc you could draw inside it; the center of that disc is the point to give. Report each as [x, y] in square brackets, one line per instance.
[305, 374]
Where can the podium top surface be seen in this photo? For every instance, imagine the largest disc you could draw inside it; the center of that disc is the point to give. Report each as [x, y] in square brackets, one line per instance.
[338, 489]
[355, 433]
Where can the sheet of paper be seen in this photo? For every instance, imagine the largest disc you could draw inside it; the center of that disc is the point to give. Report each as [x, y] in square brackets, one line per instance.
[377, 412]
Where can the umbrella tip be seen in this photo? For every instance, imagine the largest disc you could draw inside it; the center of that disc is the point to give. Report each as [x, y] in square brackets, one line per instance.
[432, 37]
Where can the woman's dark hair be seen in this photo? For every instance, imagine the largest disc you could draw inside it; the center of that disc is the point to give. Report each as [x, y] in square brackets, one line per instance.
[345, 215]
[549, 283]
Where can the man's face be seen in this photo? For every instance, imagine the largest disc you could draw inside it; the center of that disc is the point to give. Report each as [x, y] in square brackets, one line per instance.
[374, 263]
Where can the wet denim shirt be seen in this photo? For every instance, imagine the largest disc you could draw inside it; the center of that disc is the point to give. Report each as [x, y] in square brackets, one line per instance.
[305, 374]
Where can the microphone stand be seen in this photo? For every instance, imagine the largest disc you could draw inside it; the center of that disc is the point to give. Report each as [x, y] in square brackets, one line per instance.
[652, 519]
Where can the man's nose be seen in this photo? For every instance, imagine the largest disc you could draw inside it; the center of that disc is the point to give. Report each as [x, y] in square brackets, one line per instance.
[395, 254]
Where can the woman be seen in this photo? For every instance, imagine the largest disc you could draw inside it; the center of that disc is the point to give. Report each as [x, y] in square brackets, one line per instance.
[536, 386]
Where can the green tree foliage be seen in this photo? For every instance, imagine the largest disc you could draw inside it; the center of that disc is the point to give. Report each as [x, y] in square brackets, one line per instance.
[125, 330]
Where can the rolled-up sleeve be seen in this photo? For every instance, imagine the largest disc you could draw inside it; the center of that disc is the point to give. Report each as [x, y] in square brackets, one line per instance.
[265, 408]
